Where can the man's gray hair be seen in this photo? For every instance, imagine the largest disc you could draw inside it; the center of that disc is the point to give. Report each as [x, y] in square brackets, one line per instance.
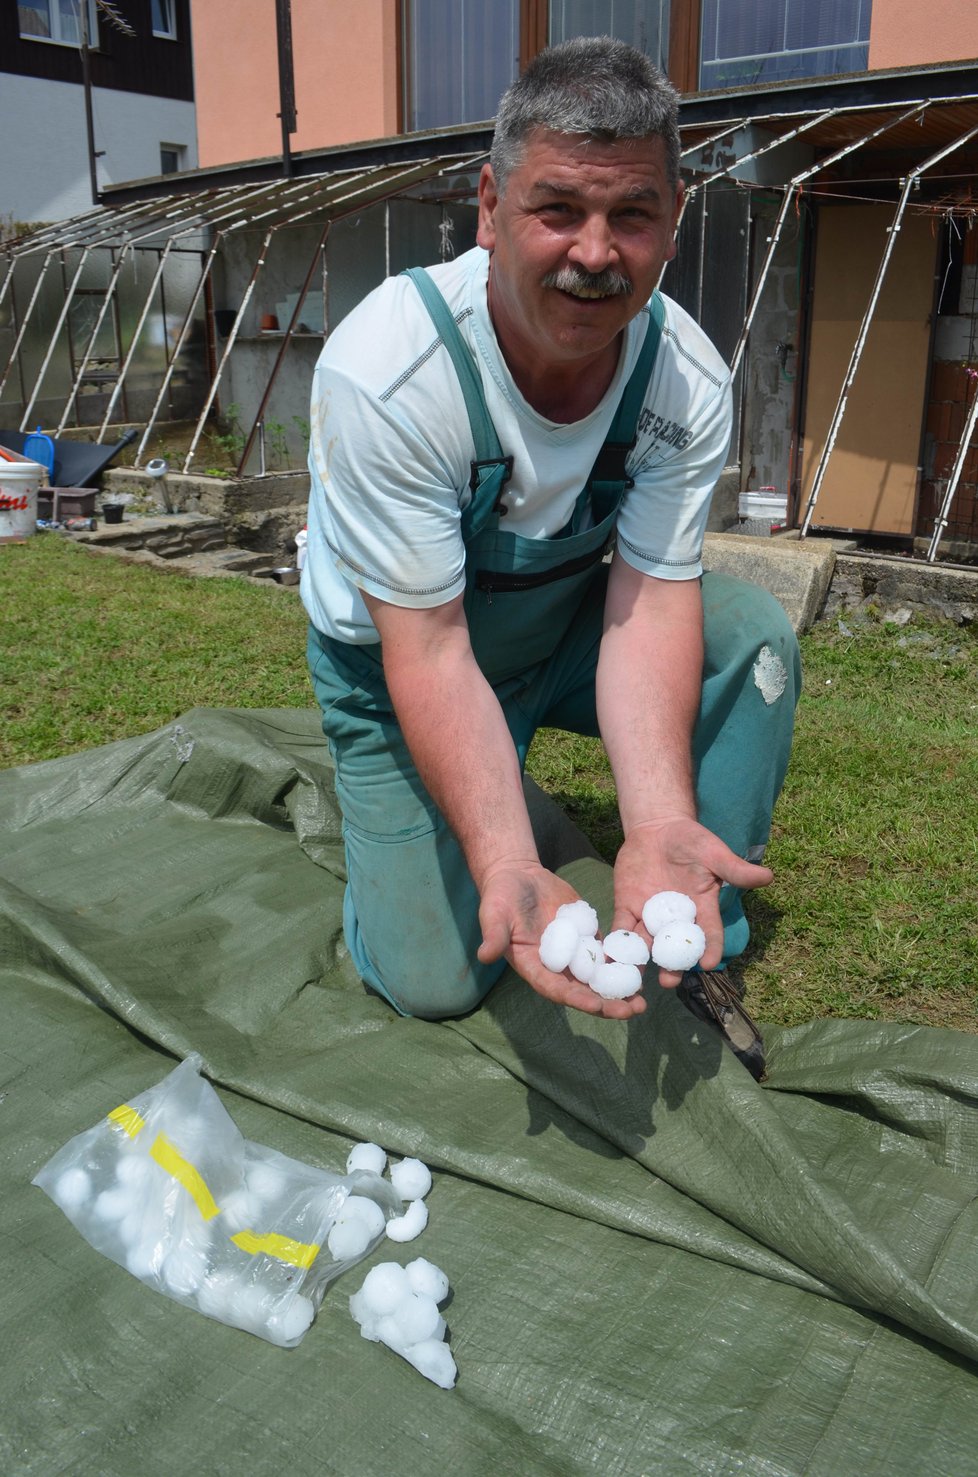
[593, 85]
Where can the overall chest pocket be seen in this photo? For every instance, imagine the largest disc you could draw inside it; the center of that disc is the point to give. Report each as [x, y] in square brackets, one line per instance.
[518, 616]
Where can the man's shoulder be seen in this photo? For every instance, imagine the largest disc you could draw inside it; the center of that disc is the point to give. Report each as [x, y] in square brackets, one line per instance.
[386, 335]
[689, 349]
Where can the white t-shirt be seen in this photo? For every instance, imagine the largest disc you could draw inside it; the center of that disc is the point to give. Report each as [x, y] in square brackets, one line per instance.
[391, 450]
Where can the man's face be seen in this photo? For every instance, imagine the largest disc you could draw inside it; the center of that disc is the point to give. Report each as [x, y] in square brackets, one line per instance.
[578, 241]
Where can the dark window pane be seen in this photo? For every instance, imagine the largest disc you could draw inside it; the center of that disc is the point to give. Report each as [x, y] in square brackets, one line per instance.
[462, 55]
[776, 40]
[35, 17]
[644, 24]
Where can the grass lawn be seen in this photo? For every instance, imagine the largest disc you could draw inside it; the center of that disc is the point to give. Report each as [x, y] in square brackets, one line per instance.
[874, 908]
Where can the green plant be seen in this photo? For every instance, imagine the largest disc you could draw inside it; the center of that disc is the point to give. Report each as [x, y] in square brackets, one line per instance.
[230, 436]
[278, 439]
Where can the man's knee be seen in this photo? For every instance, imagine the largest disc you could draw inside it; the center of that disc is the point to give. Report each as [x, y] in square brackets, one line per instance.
[428, 978]
[746, 627]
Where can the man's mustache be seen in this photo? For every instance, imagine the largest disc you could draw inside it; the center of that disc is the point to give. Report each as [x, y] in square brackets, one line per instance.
[608, 283]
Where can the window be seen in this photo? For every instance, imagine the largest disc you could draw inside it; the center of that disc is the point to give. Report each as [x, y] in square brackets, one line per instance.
[164, 13]
[56, 20]
[775, 40]
[644, 24]
[461, 55]
[171, 158]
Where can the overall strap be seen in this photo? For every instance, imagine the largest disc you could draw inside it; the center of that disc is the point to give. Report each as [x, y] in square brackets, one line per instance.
[490, 469]
[608, 480]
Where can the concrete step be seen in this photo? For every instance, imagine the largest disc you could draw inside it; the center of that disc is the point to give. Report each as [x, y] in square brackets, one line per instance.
[798, 574]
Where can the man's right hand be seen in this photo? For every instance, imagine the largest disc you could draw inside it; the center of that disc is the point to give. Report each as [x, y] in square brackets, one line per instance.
[519, 899]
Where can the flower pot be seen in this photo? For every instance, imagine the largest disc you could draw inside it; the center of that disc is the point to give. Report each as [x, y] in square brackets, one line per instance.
[112, 512]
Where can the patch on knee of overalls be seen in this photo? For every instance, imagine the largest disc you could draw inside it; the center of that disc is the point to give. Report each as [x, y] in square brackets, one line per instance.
[770, 675]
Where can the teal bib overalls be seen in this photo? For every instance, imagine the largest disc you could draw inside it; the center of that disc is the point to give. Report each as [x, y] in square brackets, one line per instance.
[534, 609]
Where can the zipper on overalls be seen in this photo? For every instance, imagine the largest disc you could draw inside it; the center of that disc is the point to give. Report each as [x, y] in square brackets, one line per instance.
[490, 580]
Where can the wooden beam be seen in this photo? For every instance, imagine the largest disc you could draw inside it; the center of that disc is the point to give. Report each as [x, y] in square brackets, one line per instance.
[534, 19]
[684, 45]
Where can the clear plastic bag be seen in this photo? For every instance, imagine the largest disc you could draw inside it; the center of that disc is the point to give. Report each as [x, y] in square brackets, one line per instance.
[167, 1187]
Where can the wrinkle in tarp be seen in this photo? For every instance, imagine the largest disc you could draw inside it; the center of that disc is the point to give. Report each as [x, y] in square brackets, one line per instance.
[658, 1265]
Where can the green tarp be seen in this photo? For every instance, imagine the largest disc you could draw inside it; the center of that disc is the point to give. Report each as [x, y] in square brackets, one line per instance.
[657, 1265]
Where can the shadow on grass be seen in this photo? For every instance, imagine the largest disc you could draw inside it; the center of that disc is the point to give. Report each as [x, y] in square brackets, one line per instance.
[764, 918]
[597, 816]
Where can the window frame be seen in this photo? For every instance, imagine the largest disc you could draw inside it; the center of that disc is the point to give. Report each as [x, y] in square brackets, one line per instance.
[54, 20]
[779, 11]
[179, 152]
[170, 7]
[533, 30]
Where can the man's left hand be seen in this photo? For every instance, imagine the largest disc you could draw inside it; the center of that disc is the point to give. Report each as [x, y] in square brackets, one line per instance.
[677, 854]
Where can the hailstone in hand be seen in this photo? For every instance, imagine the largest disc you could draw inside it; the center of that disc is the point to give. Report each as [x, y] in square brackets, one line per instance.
[615, 981]
[667, 907]
[678, 946]
[626, 947]
[582, 915]
[588, 954]
[613, 969]
[558, 944]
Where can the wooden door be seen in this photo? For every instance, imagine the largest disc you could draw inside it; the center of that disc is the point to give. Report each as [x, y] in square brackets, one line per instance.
[870, 482]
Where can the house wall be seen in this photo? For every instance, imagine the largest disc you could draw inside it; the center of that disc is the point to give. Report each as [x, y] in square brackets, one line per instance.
[346, 65]
[142, 62]
[904, 33]
[46, 177]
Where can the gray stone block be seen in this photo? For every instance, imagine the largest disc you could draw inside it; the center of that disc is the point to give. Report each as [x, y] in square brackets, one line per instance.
[798, 574]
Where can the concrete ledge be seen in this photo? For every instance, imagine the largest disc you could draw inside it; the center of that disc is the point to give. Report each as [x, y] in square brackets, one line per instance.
[797, 574]
[898, 588]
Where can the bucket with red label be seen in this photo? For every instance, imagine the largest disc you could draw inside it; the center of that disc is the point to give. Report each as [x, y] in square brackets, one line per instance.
[19, 484]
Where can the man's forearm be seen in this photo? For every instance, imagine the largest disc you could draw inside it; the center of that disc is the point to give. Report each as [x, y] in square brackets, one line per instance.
[458, 738]
[457, 734]
[648, 692]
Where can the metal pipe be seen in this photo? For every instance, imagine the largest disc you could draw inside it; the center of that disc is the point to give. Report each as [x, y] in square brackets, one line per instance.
[188, 319]
[69, 404]
[941, 521]
[181, 340]
[855, 356]
[15, 351]
[714, 138]
[54, 338]
[259, 420]
[791, 187]
[134, 341]
[7, 279]
[235, 329]
[774, 143]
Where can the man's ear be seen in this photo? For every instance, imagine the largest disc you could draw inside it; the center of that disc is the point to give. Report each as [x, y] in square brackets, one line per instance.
[680, 196]
[488, 200]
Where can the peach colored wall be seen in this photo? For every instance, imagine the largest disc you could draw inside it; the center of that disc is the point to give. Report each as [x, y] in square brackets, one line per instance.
[905, 33]
[345, 62]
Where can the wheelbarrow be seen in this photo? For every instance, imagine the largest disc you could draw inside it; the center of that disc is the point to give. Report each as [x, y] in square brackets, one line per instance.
[75, 463]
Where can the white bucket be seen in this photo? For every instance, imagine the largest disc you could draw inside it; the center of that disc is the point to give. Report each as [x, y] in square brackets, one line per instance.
[767, 503]
[19, 484]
